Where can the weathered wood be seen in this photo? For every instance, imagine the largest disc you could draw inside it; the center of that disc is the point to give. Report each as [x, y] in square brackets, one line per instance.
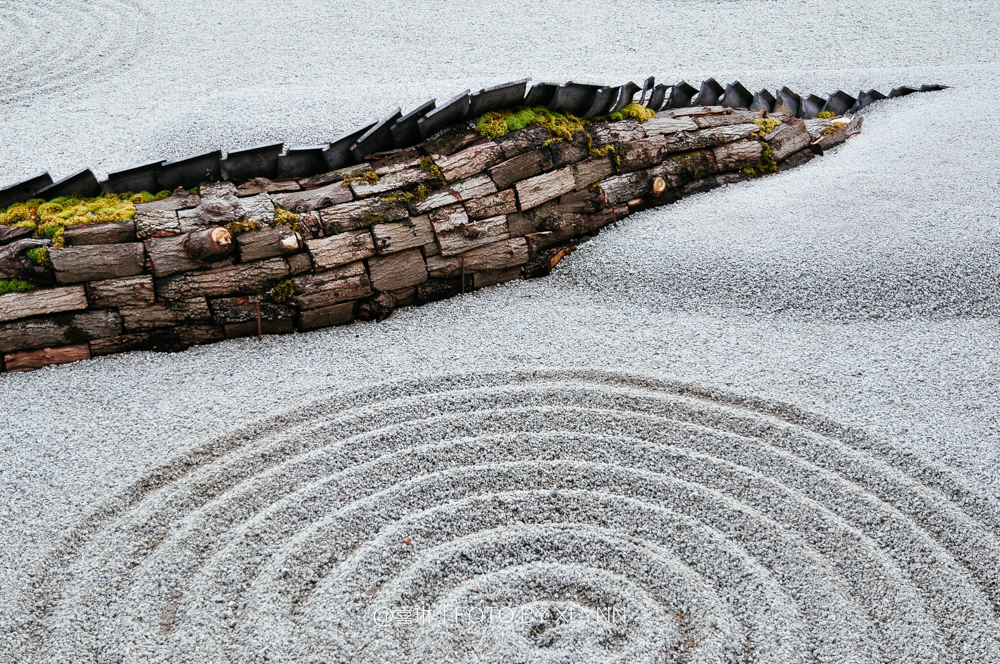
[590, 171]
[240, 279]
[623, 188]
[168, 255]
[496, 256]
[692, 111]
[338, 314]
[535, 191]
[299, 263]
[349, 282]
[10, 233]
[393, 161]
[456, 233]
[405, 296]
[466, 190]
[267, 242]
[468, 162]
[661, 126]
[615, 133]
[95, 262]
[134, 291]
[399, 270]
[493, 277]
[707, 138]
[362, 214]
[737, 156]
[565, 153]
[14, 262]
[116, 232]
[504, 202]
[390, 238]
[58, 330]
[523, 140]
[265, 186]
[520, 224]
[341, 249]
[159, 218]
[787, 139]
[244, 308]
[35, 359]
[840, 133]
[392, 180]
[580, 202]
[324, 179]
[310, 225]
[679, 169]
[162, 339]
[520, 167]
[202, 245]
[640, 154]
[41, 302]
[734, 118]
[434, 290]
[314, 199]
[451, 140]
[166, 314]
[281, 326]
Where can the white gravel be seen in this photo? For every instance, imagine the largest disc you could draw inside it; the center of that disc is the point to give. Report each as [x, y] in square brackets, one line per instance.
[762, 423]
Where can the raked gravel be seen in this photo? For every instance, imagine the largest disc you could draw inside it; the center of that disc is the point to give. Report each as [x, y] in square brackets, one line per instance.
[762, 423]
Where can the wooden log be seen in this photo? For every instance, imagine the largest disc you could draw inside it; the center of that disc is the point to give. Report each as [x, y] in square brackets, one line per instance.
[787, 139]
[299, 263]
[42, 302]
[736, 117]
[623, 188]
[708, 138]
[58, 330]
[239, 279]
[615, 133]
[9, 234]
[456, 233]
[338, 314]
[405, 296]
[493, 277]
[202, 245]
[496, 256]
[362, 214]
[96, 262]
[523, 140]
[171, 339]
[580, 202]
[314, 199]
[393, 161]
[35, 359]
[399, 270]
[640, 155]
[432, 249]
[265, 186]
[244, 308]
[116, 232]
[349, 282]
[692, 111]
[169, 256]
[166, 314]
[14, 262]
[520, 224]
[390, 238]
[267, 242]
[565, 153]
[679, 169]
[451, 140]
[134, 291]
[466, 190]
[504, 202]
[324, 179]
[434, 290]
[541, 188]
[159, 218]
[389, 181]
[468, 162]
[737, 156]
[341, 249]
[592, 170]
[661, 126]
[713, 181]
[840, 132]
[520, 167]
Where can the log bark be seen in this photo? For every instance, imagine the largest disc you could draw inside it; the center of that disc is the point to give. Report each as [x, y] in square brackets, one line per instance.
[456, 233]
[523, 140]
[469, 161]
[331, 177]
[541, 188]
[393, 161]
[787, 139]
[504, 202]
[361, 214]
[615, 133]
[708, 138]
[265, 186]
[737, 156]
[169, 256]
[201, 245]
[593, 170]
[390, 238]
[314, 199]
[164, 339]
[299, 263]
[521, 167]
[338, 314]
[841, 134]
[466, 190]
[389, 181]
[14, 263]
[736, 117]
[496, 256]
[118, 232]
[134, 291]
[314, 291]
[623, 188]
[58, 330]
[341, 249]
[41, 302]
[244, 308]
[240, 279]
[266, 243]
[35, 359]
[159, 218]
[661, 126]
[10, 233]
[166, 314]
[400, 270]
[96, 262]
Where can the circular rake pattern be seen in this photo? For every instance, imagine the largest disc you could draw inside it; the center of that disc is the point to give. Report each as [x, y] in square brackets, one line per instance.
[532, 516]
[63, 44]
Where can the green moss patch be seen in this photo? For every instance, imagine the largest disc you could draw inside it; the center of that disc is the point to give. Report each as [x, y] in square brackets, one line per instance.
[633, 112]
[283, 292]
[560, 125]
[825, 115]
[370, 177]
[245, 226]
[39, 256]
[767, 125]
[833, 128]
[15, 286]
[285, 218]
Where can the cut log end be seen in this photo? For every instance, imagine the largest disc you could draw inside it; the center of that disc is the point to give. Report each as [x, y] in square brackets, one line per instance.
[216, 241]
[659, 185]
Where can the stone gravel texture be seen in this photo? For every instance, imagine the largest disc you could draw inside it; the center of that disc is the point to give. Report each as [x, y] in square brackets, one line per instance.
[863, 289]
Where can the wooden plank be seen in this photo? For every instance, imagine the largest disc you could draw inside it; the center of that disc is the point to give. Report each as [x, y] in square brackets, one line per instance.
[338, 314]
[456, 233]
[496, 256]
[59, 330]
[35, 359]
[393, 180]
[42, 302]
[349, 282]
[504, 202]
[399, 270]
[390, 238]
[520, 167]
[134, 291]
[166, 314]
[239, 279]
[362, 214]
[314, 199]
[590, 171]
[266, 243]
[341, 249]
[468, 162]
[535, 191]
[96, 262]
[466, 190]
[117, 232]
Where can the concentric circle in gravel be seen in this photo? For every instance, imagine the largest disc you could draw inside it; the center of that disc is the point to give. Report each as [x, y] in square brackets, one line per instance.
[66, 43]
[535, 516]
